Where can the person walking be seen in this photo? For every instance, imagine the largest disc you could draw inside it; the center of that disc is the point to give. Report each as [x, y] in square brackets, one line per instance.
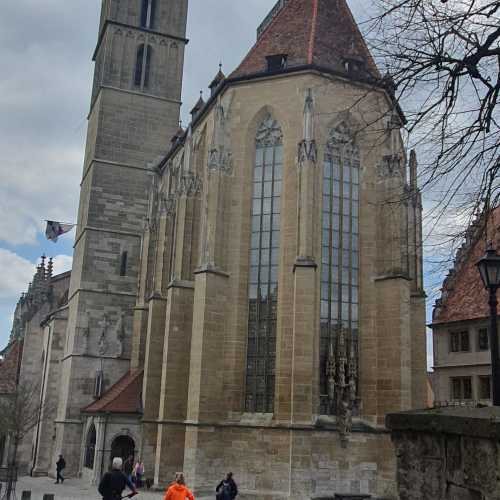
[227, 489]
[178, 490]
[128, 467]
[138, 473]
[60, 466]
[113, 483]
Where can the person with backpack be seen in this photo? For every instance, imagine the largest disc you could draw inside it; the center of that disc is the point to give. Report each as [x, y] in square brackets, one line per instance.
[113, 483]
[227, 489]
[60, 466]
[178, 490]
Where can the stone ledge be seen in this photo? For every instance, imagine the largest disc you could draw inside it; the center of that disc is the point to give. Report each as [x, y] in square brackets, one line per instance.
[209, 269]
[474, 422]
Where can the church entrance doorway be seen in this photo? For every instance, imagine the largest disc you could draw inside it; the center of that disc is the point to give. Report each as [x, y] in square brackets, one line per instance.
[123, 447]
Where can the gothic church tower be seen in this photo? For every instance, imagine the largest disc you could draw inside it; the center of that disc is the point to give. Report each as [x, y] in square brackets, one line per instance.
[133, 114]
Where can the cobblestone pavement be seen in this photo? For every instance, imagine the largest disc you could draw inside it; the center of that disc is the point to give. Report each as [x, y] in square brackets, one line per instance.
[72, 489]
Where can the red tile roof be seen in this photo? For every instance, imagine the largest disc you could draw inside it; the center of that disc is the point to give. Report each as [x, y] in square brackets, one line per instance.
[464, 296]
[9, 367]
[123, 397]
[311, 32]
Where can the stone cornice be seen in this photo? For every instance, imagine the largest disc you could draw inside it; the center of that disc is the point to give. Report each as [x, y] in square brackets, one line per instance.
[109, 22]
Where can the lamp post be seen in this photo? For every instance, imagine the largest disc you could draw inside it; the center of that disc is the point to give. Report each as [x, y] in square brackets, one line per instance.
[489, 268]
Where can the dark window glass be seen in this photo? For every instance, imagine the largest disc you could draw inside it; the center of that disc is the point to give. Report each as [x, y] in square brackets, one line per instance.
[461, 388]
[339, 262]
[152, 14]
[454, 342]
[90, 445]
[148, 12]
[464, 341]
[484, 387]
[482, 340]
[467, 387]
[263, 285]
[144, 13]
[123, 264]
[276, 62]
[98, 384]
[147, 69]
[456, 388]
[138, 66]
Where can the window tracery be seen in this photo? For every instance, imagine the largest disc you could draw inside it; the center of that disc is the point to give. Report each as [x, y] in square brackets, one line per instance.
[264, 259]
[340, 276]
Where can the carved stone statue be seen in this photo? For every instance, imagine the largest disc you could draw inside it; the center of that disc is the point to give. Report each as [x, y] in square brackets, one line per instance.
[120, 334]
[342, 381]
[103, 344]
[85, 326]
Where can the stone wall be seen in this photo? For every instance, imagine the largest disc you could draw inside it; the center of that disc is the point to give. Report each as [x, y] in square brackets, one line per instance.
[275, 463]
[447, 454]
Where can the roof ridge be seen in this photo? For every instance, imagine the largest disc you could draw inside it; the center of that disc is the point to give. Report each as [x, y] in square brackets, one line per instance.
[321, 33]
[259, 40]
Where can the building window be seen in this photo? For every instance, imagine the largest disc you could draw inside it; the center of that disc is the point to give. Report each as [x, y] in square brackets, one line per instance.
[147, 66]
[276, 62]
[264, 260]
[485, 387]
[459, 341]
[143, 66]
[98, 384]
[461, 388]
[340, 249]
[482, 339]
[139, 62]
[148, 13]
[90, 448]
[123, 264]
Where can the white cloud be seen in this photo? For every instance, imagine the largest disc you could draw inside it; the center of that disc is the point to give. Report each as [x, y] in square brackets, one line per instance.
[62, 263]
[16, 273]
[32, 191]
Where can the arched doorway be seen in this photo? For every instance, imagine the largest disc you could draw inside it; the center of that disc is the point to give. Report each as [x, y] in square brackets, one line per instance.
[122, 446]
[90, 444]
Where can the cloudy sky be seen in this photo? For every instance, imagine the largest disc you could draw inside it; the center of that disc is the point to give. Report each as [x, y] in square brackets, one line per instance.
[45, 49]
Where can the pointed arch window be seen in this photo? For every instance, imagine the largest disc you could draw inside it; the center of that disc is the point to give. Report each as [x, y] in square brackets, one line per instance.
[90, 444]
[143, 66]
[148, 13]
[339, 267]
[264, 258]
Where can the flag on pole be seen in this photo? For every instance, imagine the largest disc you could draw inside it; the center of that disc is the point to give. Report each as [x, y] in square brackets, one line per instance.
[56, 229]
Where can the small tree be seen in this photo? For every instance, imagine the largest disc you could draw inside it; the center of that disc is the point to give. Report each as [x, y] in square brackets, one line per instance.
[20, 412]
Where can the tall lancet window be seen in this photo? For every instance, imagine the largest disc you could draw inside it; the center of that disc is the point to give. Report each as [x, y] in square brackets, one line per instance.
[339, 272]
[263, 284]
[148, 13]
[143, 66]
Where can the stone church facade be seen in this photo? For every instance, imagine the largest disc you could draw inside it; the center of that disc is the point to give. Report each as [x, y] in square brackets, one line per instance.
[247, 296]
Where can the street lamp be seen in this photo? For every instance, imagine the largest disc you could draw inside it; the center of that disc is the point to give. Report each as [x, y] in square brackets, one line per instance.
[489, 268]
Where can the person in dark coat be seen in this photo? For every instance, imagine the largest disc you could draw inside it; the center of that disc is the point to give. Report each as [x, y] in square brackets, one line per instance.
[227, 489]
[60, 466]
[113, 483]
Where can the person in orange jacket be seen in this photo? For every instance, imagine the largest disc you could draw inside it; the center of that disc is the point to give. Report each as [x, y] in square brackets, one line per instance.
[177, 490]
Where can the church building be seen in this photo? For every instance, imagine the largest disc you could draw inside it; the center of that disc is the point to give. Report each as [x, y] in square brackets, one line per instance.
[247, 292]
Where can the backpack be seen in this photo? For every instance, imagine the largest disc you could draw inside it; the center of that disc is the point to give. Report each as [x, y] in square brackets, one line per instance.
[224, 492]
[112, 485]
